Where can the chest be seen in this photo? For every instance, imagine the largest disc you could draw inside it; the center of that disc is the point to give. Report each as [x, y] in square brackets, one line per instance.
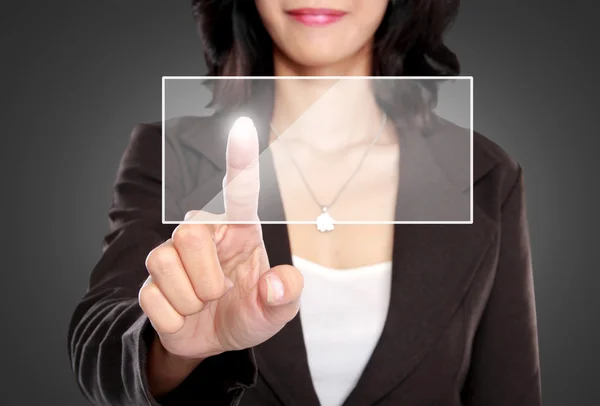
[360, 196]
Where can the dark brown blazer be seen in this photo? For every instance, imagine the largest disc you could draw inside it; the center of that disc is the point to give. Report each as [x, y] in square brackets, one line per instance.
[461, 327]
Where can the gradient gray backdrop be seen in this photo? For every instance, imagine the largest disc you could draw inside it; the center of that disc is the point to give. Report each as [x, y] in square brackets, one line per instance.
[78, 75]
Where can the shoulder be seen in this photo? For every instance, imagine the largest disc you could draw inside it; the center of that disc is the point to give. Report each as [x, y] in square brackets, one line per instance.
[496, 165]
[492, 166]
[177, 136]
[175, 129]
[492, 154]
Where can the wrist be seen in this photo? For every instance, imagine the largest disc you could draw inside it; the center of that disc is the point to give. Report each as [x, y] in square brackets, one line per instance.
[166, 371]
[170, 358]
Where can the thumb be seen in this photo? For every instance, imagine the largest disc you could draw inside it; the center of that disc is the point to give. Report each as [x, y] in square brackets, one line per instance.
[279, 290]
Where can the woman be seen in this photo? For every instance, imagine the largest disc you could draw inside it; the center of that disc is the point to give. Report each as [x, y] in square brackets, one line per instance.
[232, 314]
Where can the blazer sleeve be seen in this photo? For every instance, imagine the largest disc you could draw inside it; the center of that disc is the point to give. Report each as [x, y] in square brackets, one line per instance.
[109, 335]
[505, 367]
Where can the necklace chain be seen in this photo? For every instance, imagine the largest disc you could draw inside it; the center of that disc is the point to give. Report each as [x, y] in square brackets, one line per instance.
[348, 180]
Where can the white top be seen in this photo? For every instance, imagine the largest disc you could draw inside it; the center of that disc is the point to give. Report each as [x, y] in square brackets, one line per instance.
[342, 313]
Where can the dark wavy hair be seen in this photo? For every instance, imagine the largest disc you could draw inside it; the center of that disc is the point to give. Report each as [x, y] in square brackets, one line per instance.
[408, 42]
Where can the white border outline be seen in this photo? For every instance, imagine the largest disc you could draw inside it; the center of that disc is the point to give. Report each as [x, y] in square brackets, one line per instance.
[471, 191]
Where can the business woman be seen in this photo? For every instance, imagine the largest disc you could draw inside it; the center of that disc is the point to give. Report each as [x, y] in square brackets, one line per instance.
[352, 315]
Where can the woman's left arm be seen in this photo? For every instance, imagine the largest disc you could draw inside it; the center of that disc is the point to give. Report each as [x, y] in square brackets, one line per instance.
[505, 369]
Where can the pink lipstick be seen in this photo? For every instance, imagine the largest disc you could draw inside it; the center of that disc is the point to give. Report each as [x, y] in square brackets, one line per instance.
[316, 16]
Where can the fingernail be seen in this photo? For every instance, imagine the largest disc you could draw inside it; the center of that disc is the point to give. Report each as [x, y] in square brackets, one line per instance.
[275, 289]
[188, 215]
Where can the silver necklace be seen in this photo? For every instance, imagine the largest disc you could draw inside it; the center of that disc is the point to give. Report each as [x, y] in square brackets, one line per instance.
[324, 221]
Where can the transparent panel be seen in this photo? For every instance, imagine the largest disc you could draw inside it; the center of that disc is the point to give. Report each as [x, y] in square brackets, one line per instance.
[320, 150]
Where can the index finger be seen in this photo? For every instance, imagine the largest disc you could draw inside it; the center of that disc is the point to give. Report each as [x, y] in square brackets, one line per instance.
[241, 185]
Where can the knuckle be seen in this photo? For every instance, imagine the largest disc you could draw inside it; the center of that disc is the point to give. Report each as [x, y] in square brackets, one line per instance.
[245, 185]
[148, 294]
[161, 260]
[241, 206]
[241, 197]
[167, 326]
[163, 323]
[190, 214]
[186, 233]
[209, 291]
[190, 306]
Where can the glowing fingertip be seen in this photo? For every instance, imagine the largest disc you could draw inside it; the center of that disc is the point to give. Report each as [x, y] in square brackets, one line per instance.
[243, 125]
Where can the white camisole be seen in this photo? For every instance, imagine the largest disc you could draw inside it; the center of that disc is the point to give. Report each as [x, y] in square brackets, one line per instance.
[342, 313]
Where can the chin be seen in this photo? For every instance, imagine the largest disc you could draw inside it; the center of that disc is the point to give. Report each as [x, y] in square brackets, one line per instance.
[319, 59]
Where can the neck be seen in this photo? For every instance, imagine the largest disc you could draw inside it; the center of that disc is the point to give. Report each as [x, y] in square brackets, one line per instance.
[327, 113]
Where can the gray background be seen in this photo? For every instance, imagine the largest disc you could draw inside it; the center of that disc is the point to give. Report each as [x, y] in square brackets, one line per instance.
[78, 75]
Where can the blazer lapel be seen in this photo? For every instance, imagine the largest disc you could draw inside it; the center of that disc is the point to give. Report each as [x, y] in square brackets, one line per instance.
[433, 265]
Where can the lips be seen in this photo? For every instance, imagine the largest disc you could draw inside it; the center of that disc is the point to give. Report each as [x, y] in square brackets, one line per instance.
[316, 16]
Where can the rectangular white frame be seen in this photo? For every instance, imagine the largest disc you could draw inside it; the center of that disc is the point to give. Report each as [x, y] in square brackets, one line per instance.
[471, 202]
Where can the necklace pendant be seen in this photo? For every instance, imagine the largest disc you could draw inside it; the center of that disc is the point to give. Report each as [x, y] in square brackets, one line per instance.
[325, 221]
